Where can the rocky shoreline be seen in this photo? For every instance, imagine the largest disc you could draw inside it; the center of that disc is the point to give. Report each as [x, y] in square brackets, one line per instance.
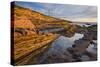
[78, 52]
[79, 47]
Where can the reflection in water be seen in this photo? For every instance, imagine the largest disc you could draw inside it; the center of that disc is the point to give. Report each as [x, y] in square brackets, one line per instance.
[62, 43]
[84, 58]
[51, 30]
[57, 52]
[58, 48]
[92, 47]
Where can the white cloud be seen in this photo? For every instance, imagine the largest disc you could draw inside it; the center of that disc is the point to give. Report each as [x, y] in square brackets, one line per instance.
[63, 10]
[70, 10]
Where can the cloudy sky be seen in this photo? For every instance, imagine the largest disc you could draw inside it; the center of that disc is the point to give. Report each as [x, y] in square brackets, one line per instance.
[65, 11]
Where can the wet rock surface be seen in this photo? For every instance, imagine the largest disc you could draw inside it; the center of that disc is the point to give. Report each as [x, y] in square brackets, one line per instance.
[81, 50]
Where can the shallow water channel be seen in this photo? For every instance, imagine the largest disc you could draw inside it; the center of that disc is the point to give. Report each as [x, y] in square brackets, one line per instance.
[57, 49]
[57, 52]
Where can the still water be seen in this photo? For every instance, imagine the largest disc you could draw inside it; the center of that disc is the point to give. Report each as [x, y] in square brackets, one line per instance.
[58, 48]
[62, 43]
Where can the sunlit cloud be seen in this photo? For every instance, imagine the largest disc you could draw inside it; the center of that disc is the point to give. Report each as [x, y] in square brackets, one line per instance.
[63, 10]
[82, 19]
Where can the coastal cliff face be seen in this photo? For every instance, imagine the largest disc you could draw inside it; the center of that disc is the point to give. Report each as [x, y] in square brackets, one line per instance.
[27, 26]
[37, 35]
[26, 21]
